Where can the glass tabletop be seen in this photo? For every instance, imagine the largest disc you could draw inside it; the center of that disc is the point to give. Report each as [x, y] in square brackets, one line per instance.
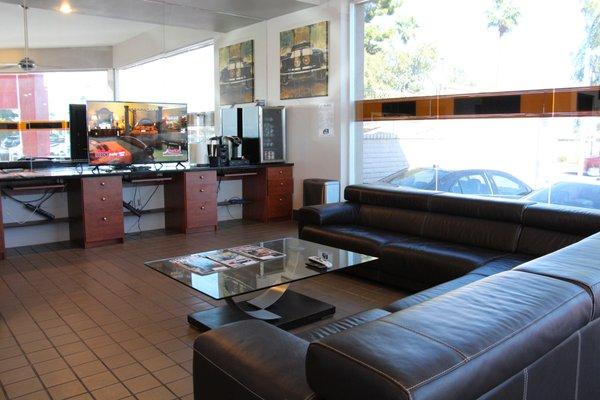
[230, 282]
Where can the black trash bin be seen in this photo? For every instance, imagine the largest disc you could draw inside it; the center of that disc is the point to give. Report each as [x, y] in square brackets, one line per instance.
[321, 191]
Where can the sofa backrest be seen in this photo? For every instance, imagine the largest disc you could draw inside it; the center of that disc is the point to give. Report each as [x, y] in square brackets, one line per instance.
[500, 224]
[457, 346]
[547, 228]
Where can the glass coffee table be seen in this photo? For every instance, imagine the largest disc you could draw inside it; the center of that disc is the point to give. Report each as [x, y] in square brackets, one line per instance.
[267, 282]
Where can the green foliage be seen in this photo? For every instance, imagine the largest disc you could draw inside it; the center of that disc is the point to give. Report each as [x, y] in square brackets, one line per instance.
[503, 16]
[391, 67]
[588, 56]
[8, 115]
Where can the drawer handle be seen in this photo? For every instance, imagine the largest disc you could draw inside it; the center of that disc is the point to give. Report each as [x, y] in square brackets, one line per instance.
[280, 199]
[103, 198]
[281, 184]
[201, 190]
[202, 207]
[280, 171]
[201, 176]
[105, 219]
[102, 183]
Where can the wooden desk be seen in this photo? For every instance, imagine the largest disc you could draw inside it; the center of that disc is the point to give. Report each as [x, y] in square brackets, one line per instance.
[95, 200]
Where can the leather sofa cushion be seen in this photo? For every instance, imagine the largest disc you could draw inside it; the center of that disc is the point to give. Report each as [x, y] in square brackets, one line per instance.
[538, 242]
[426, 260]
[496, 235]
[452, 347]
[342, 324]
[431, 293]
[573, 220]
[404, 221]
[493, 267]
[379, 195]
[501, 264]
[478, 207]
[360, 239]
[329, 214]
[579, 263]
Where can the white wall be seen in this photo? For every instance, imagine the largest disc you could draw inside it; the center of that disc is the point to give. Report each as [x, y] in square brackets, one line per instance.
[313, 156]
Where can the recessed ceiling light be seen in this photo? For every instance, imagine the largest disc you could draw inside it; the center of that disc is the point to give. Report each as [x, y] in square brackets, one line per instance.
[65, 8]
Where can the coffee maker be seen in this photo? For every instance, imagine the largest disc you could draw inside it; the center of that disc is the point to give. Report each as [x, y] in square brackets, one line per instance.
[235, 158]
[218, 152]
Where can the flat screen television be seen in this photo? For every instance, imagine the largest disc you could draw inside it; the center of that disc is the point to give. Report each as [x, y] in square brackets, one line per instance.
[125, 133]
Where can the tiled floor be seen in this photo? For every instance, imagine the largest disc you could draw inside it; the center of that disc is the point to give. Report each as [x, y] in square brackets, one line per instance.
[96, 323]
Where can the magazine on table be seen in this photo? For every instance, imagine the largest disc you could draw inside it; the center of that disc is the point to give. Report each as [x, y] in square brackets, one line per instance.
[199, 264]
[231, 259]
[259, 252]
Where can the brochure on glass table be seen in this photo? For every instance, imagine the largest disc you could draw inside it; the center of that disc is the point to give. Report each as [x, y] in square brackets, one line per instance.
[230, 258]
[258, 252]
[199, 264]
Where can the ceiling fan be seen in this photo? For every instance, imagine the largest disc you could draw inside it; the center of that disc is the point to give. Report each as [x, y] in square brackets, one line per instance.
[26, 64]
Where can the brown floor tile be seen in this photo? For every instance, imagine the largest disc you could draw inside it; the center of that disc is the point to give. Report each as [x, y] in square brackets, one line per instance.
[39, 395]
[135, 344]
[64, 339]
[100, 380]
[12, 363]
[157, 363]
[50, 323]
[141, 383]
[145, 353]
[57, 331]
[50, 366]
[22, 388]
[118, 361]
[10, 352]
[66, 390]
[16, 375]
[107, 351]
[113, 392]
[182, 355]
[171, 374]
[99, 341]
[129, 371]
[90, 368]
[43, 355]
[58, 377]
[90, 333]
[30, 337]
[85, 396]
[80, 358]
[171, 345]
[159, 393]
[38, 345]
[182, 387]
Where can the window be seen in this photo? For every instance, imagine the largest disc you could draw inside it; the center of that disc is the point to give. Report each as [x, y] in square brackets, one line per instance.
[186, 77]
[45, 96]
[415, 48]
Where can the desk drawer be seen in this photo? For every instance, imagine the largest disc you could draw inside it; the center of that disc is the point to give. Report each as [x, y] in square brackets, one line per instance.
[100, 225]
[280, 173]
[106, 185]
[281, 186]
[201, 214]
[194, 179]
[280, 206]
[201, 192]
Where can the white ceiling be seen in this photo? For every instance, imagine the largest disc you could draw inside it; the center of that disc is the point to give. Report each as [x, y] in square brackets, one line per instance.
[107, 22]
[50, 29]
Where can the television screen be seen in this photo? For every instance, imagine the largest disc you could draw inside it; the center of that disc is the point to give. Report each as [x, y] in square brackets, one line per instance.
[123, 133]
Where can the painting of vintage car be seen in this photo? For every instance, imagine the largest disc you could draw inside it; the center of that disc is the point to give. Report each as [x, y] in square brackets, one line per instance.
[236, 73]
[304, 66]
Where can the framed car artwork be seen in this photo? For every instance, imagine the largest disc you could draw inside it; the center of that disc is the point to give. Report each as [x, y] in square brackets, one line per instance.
[236, 73]
[304, 61]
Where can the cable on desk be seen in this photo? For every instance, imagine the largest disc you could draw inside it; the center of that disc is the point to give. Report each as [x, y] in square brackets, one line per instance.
[45, 197]
[139, 218]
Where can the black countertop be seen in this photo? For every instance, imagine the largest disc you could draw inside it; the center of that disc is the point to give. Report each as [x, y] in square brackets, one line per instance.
[155, 170]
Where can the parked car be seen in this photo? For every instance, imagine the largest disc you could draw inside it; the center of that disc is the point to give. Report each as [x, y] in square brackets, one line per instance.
[485, 182]
[591, 163]
[303, 62]
[576, 193]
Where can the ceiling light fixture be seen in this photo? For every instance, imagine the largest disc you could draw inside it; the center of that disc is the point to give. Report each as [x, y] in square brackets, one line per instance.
[65, 8]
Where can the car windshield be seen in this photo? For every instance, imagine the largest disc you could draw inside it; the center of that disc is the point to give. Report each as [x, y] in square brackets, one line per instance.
[570, 194]
[420, 178]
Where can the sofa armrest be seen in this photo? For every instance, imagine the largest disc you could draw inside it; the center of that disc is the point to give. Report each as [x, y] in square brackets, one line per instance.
[329, 214]
[250, 360]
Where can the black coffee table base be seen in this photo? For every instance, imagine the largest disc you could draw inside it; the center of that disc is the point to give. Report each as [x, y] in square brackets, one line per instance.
[294, 308]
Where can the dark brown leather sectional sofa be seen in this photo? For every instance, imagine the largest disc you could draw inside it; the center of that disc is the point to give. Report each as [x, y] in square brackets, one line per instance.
[513, 313]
